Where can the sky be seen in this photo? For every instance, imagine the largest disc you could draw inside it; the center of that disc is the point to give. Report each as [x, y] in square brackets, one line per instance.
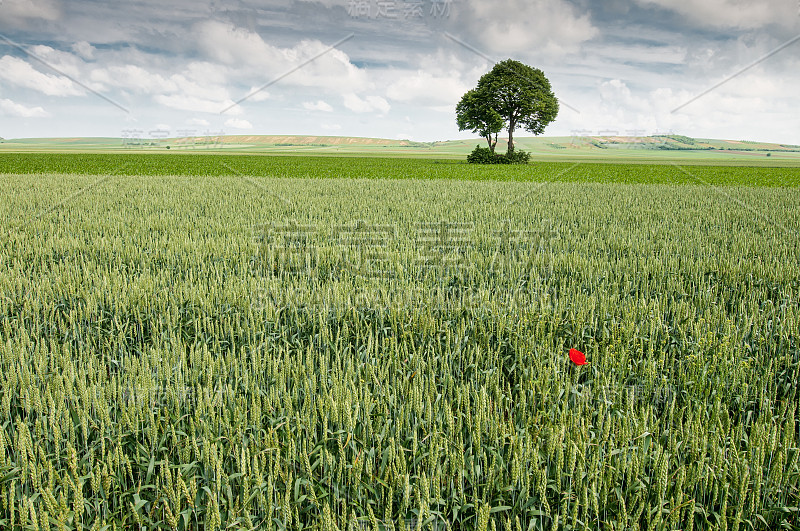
[394, 68]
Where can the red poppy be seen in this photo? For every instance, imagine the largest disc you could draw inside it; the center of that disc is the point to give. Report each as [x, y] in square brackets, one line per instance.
[577, 357]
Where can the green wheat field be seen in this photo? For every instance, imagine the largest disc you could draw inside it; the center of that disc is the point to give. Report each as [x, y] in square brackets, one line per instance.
[214, 342]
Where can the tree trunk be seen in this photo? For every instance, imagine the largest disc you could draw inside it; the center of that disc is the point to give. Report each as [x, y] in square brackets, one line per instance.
[488, 139]
[511, 126]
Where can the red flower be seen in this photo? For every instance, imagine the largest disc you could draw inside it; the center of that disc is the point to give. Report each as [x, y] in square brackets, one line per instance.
[577, 357]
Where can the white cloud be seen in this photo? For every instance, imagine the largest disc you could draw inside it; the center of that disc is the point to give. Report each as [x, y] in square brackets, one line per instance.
[550, 27]
[617, 94]
[198, 87]
[84, 50]
[649, 55]
[426, 88]
[228, 44]
[184, 102]
[133, 78]
[367, 104]
[20, 73]
[732, 111]
[732, 13]
[10, 108]
[198, 121]
[246, 52]
[30, 9]
[65, 62]
[206, 73]
[319, 105]
[199, 80]
[448, 109]
[255, 94]
[238, 123]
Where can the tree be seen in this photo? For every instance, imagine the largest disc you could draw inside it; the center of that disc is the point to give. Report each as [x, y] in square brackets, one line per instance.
[474, 113]
[521, 95]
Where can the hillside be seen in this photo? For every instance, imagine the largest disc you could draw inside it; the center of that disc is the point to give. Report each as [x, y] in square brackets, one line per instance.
[649, 148]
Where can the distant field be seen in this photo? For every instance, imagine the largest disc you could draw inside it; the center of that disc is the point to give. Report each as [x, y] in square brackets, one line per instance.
[391, 168]
[663, 148]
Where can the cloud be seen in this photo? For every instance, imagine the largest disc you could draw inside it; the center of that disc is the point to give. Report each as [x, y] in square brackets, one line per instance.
[746, 14]
[426, 88]
[319, 105]
[256, 94]
[617, 94]
[198, 79]
[84, 50]
[250, 56]
[206, 74]
[551, 27]
[729, 112]
[21, 73]
[367, 104]
[238, 123]
[18, 10]
[133, 78]
[198, 87]
[10, 108]
[227, 44]
[624, 63]
[184, 102]
[65, 62]
[651, 55]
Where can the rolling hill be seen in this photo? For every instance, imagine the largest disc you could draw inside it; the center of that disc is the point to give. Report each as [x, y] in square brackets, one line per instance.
[649, 148]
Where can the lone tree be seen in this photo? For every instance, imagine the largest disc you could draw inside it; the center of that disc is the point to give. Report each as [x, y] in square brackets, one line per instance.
[475, 113]
[518, 94]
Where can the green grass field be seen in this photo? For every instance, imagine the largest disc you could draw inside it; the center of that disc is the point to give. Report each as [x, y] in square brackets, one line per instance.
[252, 342]
[383, 168]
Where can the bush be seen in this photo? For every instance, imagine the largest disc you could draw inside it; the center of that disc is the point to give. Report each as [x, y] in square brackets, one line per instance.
[484, 155]
[516, 157]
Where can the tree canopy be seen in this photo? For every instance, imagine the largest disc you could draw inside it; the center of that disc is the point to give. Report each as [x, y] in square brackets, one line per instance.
[512, 95]
[475, 113]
